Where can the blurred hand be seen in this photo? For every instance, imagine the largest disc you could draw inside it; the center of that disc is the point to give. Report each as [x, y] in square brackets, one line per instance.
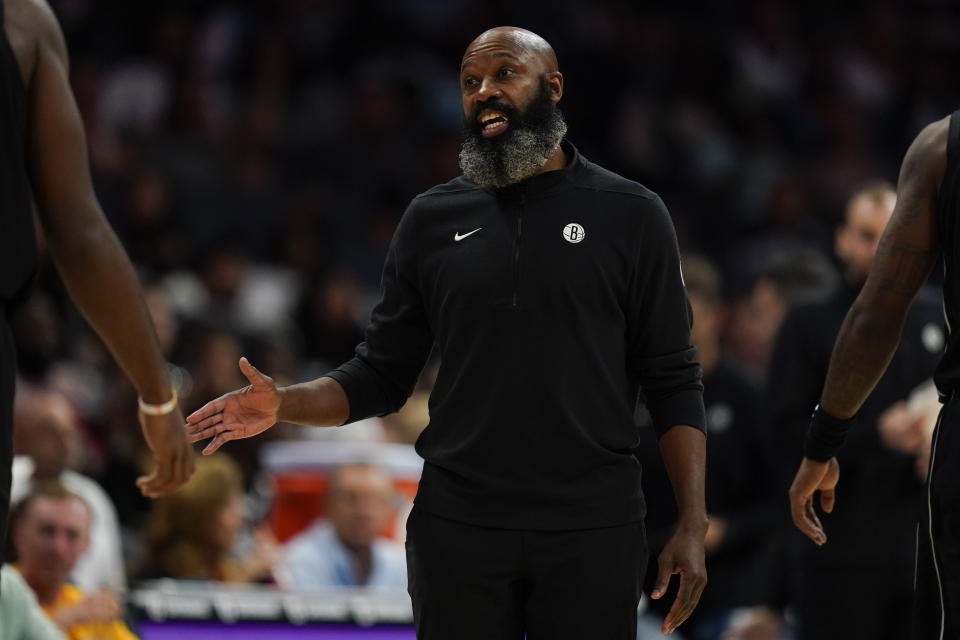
[239, 414]
[760, 623]
[102, 606]
[922, 460]
[811, 477]
[716, 530]
[900, 429]
[172, 453]
[683, 555]
[267, 553]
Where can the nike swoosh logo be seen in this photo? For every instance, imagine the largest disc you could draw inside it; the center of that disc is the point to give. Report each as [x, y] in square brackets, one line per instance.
[457, 237]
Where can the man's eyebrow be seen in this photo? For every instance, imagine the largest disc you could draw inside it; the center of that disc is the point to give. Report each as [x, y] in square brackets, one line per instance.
[502, 54]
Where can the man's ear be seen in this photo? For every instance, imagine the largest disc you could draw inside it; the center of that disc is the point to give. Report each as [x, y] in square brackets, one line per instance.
[555, 82]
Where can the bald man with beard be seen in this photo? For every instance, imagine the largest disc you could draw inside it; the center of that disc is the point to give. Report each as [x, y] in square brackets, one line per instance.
[552, 288]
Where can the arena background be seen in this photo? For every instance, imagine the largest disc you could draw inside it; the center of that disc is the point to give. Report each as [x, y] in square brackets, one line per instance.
[255, 157]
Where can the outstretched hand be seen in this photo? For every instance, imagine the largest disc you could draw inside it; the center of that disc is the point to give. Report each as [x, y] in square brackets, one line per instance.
[811, 477]
[242, 413]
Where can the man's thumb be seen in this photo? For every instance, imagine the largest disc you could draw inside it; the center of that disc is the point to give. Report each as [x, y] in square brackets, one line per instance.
[827, 498]
[663, 579]
[252, 373]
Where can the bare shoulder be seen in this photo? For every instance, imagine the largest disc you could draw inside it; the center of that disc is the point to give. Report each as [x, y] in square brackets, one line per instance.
[32, 29]
[927, 156]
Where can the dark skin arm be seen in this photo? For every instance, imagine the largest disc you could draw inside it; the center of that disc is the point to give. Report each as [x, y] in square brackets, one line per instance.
[255, 408]
[87, 254]
[870, 333]
[684, 451]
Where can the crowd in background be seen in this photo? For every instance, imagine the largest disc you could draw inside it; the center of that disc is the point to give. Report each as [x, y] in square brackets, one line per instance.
[254, 159]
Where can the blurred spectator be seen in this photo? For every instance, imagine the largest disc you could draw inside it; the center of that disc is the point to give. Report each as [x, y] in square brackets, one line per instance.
[39, 335]
[50, 530]
[150, 231]
[908, 425]
[786, 280]
[192, 533]
[757, 623]
[346, 550]
[48, 449]
[21, 617]
[860, 584]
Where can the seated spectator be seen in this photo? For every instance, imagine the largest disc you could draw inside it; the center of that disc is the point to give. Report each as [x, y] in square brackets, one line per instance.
[192, 533]
[346, 550]
[48, 447]
[21, 617]
[50, 530]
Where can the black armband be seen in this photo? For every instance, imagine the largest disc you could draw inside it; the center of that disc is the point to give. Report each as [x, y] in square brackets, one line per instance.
[825, 435]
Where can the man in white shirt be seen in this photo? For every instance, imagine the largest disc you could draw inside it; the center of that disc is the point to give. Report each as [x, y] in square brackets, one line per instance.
[47, 445]
[346, 549]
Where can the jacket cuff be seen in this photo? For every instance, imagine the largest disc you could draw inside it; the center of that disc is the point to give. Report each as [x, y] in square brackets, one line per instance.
[682, 407]
[360, 385]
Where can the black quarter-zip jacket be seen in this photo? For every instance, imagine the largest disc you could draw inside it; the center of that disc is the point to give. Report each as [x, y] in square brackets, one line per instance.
[551, 302]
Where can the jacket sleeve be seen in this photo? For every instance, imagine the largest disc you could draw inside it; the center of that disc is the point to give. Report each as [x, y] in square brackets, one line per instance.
[397, 341]
[660, 356]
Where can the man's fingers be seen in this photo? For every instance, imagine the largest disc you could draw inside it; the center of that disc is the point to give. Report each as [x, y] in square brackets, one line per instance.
[827, 498]
[222, 438]
[209, 432]
[257, 379]
[204, 424]
[169, 476]
[688, 595]
[207, 410]
[663, 579]
[806, 520]
[811, 516]
[676, 614]
[155, 485]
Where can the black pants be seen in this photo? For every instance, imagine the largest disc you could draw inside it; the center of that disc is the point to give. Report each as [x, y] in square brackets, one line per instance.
[937, 598]
[469, 582]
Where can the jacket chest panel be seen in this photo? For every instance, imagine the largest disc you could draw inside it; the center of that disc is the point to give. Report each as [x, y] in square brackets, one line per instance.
[532, 256]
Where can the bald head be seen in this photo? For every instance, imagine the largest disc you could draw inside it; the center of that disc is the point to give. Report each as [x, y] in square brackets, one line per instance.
[526, 45]
[46, 430]
[510, 88]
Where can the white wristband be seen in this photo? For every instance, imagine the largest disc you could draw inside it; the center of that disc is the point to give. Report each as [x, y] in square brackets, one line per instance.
[159, 409]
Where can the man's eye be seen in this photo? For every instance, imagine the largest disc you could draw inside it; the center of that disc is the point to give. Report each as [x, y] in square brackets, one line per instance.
[505, 72]
[470, 82]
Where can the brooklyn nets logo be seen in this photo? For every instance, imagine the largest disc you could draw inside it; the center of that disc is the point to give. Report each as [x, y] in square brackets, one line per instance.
[574, 233]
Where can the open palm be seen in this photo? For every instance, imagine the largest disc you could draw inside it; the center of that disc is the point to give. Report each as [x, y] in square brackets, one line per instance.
[239, 414]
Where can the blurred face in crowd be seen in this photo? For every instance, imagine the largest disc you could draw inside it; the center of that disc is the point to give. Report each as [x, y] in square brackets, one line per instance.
[49, 538]
[360, 504]
[46, 431]
[510, 88]
[858, 238]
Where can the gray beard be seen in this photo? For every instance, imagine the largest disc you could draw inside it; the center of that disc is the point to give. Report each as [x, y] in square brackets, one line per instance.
[525, 153]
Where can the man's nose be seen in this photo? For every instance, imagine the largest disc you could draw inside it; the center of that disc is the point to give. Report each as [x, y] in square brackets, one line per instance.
[488, 90]
[61, 544]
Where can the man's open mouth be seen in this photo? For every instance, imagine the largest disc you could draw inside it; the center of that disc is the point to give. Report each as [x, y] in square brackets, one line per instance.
[493, 123]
